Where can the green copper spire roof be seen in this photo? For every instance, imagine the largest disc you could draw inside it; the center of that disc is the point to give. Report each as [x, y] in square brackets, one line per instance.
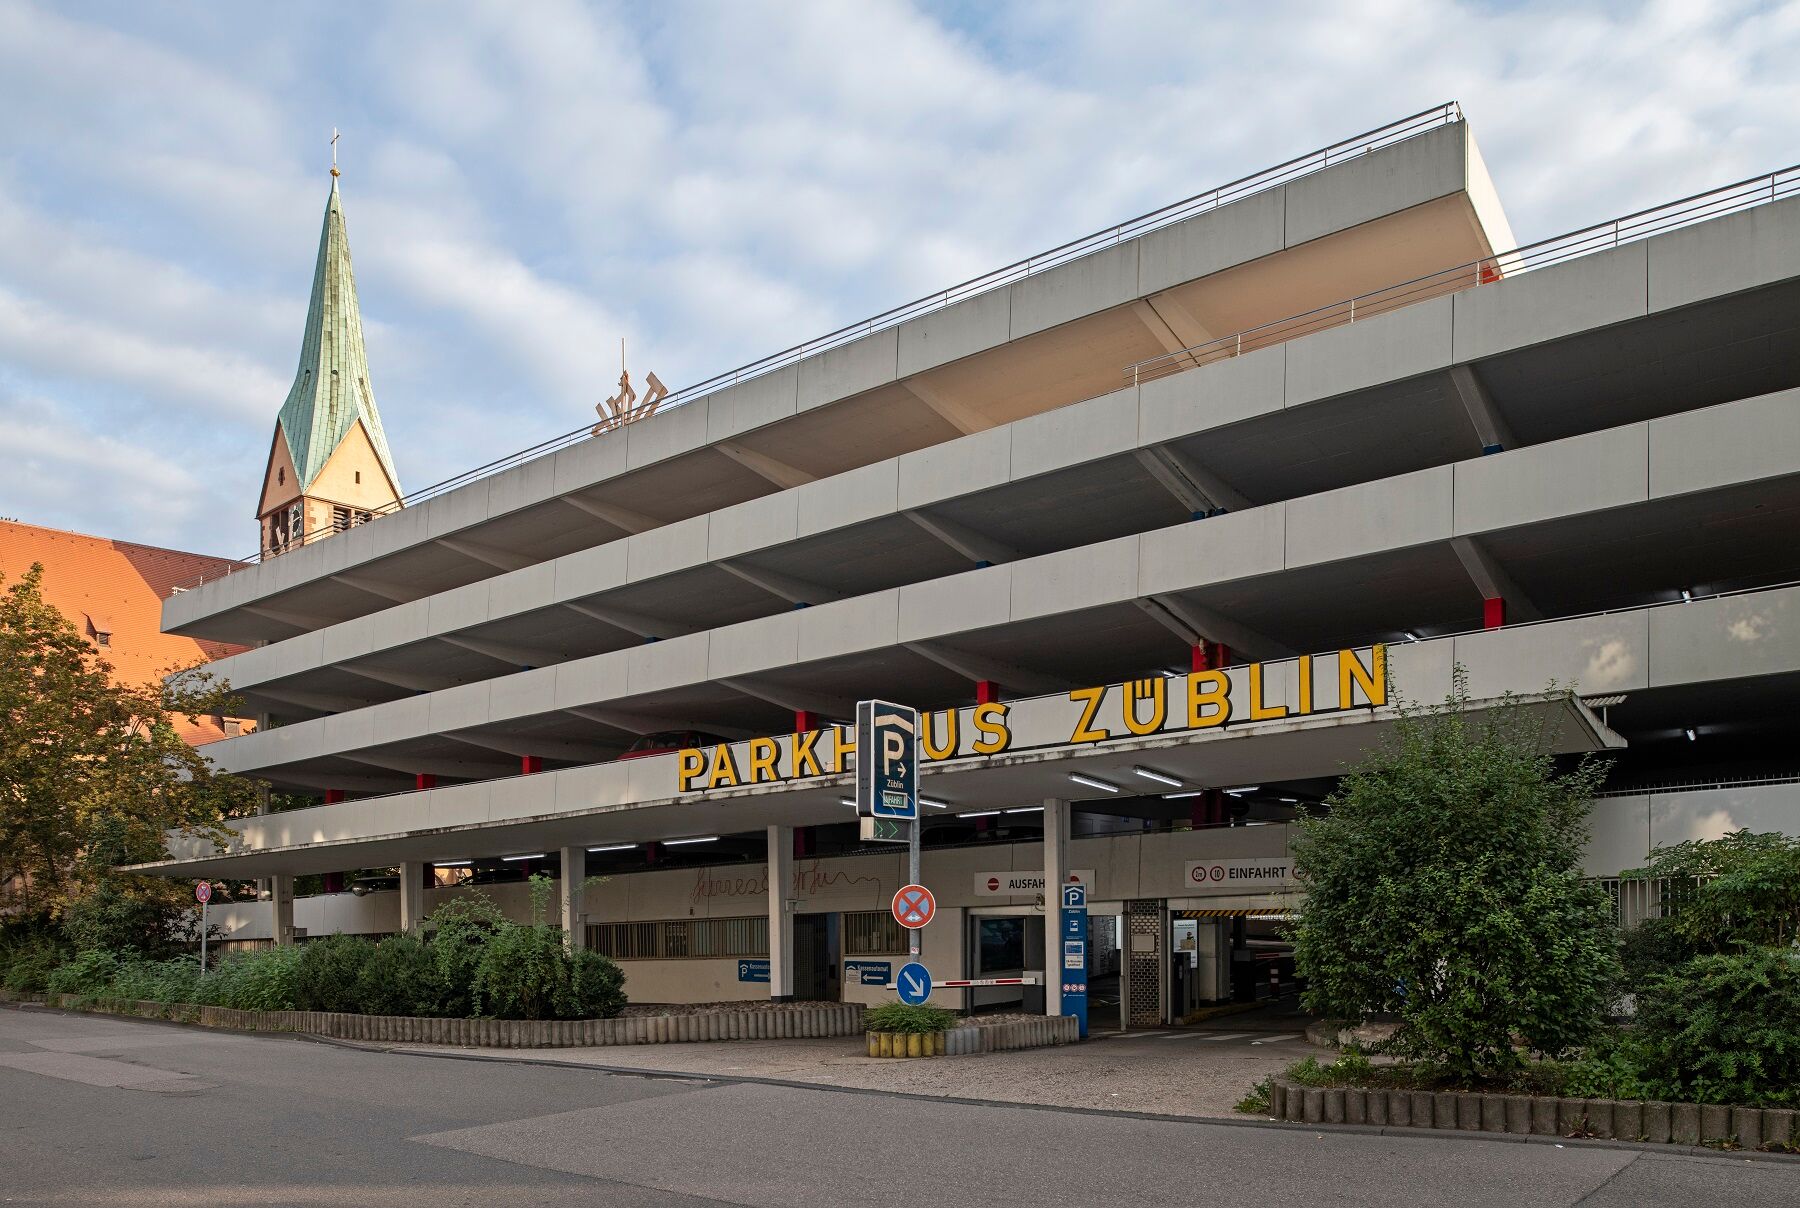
[331, 388]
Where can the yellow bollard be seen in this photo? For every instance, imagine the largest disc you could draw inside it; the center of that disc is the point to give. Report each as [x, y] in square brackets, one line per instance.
[915, 1045]
[887, 1045]
[874, 1039]
[937, 1044]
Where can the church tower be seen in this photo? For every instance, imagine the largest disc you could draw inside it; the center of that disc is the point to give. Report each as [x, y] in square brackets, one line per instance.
[329, 466]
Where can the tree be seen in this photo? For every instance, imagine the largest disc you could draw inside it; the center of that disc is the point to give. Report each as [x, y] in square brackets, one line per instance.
[1738, 891]
[93, 775]
[1443, 887]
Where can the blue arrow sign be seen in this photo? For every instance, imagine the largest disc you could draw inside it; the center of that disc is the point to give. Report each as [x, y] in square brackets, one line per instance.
[914, 983]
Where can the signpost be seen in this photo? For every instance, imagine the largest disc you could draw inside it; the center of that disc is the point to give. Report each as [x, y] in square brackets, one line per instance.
[914, 983]
[1074, 954]
[203, 895]
[914, 906]
[887, 761]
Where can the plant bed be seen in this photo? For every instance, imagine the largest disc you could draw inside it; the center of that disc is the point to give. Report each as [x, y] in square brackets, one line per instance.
[898, 1030]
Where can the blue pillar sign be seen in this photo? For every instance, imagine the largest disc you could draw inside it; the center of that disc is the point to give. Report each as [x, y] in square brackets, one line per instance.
[1074, 954]
[887, 761]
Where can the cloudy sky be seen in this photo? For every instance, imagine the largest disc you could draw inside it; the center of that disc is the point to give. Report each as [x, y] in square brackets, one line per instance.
[527, 183]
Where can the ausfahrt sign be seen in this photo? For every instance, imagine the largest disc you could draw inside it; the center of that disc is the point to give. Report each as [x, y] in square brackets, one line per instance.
[1022, 884]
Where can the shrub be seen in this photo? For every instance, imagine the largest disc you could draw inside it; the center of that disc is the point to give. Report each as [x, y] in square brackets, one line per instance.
[596, 987]
[263, 980]
[1651, 948]
[1727, 893]
[169, 981]
[1722, 1029]
[1444, 887]
[461, 928]
[328, 971]
[899, 1017]
[1350, 1069]
[88, 973]
[400, 978]
[523, 973]
[29, 964]
[1259, 1101]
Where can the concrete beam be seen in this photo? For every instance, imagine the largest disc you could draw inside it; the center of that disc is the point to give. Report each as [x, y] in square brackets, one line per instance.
[325, 702]
[412, 765]
[631, 622]
[1491, 428]
[980, 667]
[644, 723]
[976, 547]
[794, 591]
[962, 418]
[1216, 627]
[499, 559]
[620, 518]
[840, 708]
[776, 471]
[506, 652]
[1492, 581]
[394, 592]
[412, 681]
[576, 752]
[1194, 486]
[306, 621]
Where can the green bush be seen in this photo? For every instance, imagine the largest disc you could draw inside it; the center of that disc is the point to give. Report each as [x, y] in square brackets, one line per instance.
[1350, 1069]
[1444, 888]
[1653, 947]
[899, 1017]
[89, 973]
[263, 980]
[522, 973]
[460, 931]
[596, 986]
[170, 981]
[1739, 890]
[1721, 1029]
[328, 973]
[400, 978]
[30, 962]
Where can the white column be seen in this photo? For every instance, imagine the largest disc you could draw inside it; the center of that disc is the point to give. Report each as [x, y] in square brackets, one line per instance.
[781, 919]
[1056, 871]
[412, 895]
[281, 900]
[574, 872]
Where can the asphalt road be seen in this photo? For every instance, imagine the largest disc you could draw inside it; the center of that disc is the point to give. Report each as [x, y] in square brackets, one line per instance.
[96, 1111]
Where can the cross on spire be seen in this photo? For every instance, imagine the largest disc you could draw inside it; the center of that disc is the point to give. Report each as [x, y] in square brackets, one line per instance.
[334, 139]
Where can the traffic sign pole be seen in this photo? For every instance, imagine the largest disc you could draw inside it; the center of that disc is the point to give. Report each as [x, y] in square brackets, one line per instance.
[203, 891]
[912, 878]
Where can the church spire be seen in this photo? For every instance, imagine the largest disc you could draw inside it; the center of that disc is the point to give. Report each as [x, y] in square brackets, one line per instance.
[330, 466]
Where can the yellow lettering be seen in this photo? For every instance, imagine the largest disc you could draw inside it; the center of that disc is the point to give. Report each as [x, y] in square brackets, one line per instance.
[1372, 679]
[1306, 691]
[692, 763]
[806, 759]
[1084, 729]
[932, 722]
[1208, 688]
[1156, 691]
[724, 772]
[841, 747]
[763, 754]
[990, 721]
[1259, 711]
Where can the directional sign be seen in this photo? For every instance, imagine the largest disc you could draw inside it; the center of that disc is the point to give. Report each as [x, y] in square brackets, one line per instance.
[886, 830]
[887, 760]
[914, 906]
[753, 971]
[870, 973]
[203, 892]
[914, 983]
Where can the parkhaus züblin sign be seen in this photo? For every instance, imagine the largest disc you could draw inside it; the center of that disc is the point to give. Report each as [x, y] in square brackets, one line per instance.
[1254, 693]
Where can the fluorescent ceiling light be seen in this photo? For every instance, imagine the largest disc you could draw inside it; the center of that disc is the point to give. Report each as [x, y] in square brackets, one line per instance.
[698, 839]
[614, 847]
[1092, 783]
[934, 803]
[450, 863]
[1189, 793]
[849, 801]
[534, 856]
[1290, 801]
[1690, 734]
[1410, 636]
[1027, 809]
[1159, 777]
[1242, 789]
[1687, 596]
[982, 814]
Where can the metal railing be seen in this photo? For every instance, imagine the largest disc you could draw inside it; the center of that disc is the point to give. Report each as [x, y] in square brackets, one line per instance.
[1745, 194]
[1404, 128]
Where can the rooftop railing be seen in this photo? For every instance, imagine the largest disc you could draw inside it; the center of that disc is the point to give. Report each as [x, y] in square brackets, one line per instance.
[1269, 178]
[1745, 194]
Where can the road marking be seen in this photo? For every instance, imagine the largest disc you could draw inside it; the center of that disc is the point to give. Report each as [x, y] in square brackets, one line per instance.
[1275, 1039]
[100, 1071]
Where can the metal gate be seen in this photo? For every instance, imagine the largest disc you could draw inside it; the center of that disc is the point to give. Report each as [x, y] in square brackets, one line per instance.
[1143, 963]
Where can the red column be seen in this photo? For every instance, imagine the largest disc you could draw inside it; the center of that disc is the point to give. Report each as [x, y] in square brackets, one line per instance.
[425, 780]
[1493, 613]
[530, 765]
[651, 851]
[333, 796]
[987, 692]
[806, 719]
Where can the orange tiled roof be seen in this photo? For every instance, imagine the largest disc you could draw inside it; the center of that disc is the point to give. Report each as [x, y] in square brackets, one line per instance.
[117, 588]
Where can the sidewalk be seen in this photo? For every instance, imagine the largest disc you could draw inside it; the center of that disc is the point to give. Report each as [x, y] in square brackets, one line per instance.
[1171, 1073]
